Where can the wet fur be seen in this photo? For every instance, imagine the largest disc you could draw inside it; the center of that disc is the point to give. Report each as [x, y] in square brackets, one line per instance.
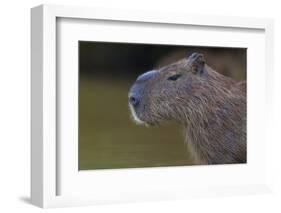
[211, 107]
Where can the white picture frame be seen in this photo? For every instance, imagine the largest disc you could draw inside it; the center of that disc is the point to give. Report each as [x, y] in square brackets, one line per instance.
[45, 166]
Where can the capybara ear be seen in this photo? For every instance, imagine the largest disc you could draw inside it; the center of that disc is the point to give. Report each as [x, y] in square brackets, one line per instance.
[197, 62]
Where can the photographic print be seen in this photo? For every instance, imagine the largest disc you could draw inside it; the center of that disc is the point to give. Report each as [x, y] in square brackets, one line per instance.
[150, 105]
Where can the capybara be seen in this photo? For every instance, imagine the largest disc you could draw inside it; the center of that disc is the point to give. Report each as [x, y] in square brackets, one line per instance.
[211, 107]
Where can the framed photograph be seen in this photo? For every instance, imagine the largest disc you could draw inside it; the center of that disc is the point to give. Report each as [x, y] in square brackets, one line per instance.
[129, 106]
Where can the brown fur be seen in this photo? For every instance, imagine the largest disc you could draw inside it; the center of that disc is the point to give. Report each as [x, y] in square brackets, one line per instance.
[211, 107]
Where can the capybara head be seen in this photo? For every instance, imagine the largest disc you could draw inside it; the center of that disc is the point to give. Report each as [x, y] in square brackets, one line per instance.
[169, 92]
[165, 93]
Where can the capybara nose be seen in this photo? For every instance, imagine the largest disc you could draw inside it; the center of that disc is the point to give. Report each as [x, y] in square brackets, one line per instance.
[134, 101]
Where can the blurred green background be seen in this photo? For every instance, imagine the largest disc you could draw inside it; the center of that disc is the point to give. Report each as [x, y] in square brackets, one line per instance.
[108, 138]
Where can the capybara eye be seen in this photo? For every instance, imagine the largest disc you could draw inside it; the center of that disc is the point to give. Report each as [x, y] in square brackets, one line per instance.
[174, 77]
